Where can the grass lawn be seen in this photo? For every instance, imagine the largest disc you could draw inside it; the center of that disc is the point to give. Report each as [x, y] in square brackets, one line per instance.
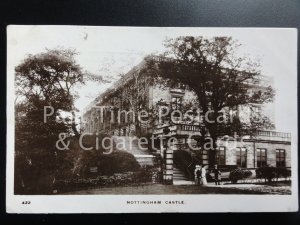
[187, 189]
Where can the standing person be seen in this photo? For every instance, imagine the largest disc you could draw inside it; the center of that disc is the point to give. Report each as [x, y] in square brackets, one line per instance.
[159, 175]
[197, 174]
[217, 174]
[203, 176]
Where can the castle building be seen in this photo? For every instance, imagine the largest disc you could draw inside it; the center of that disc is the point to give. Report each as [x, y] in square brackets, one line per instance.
[115, 112]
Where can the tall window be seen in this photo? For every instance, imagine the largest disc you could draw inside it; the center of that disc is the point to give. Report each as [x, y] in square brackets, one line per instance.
[176, 103]
[280, 157]
[261, 157]
[241, 157]
[220, 156]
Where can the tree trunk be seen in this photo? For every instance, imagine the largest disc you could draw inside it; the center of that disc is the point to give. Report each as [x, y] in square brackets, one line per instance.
[74, 125]
[213, 150]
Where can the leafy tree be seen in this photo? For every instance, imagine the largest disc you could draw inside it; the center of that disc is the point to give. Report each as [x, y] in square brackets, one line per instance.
[218, 76]
[50, 77]
[45, 79]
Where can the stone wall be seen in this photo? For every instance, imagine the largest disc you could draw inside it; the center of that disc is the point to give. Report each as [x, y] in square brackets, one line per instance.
[231, 158]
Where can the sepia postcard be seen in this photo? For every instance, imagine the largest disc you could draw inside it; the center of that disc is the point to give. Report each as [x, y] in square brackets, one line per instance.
[148, 119]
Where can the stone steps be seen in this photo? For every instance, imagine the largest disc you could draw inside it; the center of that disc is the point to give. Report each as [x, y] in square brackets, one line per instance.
[179, 178]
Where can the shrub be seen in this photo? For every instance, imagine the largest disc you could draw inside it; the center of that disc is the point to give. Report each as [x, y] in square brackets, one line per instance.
[118, 179]
[283, 172]
[270, 172]
[36, 170]
[116, 162]
[106, 164]
[34, 173]
[239, 174]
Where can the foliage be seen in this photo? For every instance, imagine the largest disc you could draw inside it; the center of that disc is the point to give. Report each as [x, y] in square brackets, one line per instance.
[50, 76]
[116, 162]
[224, 79]
[48, 79]
[107, 164]
[117, 179]
[270, 172]
[37, 172]
[44, 79]
[239, 174]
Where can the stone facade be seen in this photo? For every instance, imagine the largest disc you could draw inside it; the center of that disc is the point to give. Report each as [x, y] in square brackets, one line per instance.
[136, 91]
[252, 147]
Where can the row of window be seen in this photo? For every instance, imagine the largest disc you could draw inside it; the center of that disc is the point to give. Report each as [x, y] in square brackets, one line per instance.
[261, 157]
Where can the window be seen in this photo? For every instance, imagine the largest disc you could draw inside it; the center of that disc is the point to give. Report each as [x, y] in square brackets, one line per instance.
[220, 156]
[241, 157]
[176, 103]
[280, 157]
[181, 86]
[261, 157]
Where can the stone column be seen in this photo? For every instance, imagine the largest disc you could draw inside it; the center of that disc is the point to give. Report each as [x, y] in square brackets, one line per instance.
[93, 122]
[168, 171]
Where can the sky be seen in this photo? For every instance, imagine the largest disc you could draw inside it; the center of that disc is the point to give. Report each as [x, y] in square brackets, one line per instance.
[115, 50]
